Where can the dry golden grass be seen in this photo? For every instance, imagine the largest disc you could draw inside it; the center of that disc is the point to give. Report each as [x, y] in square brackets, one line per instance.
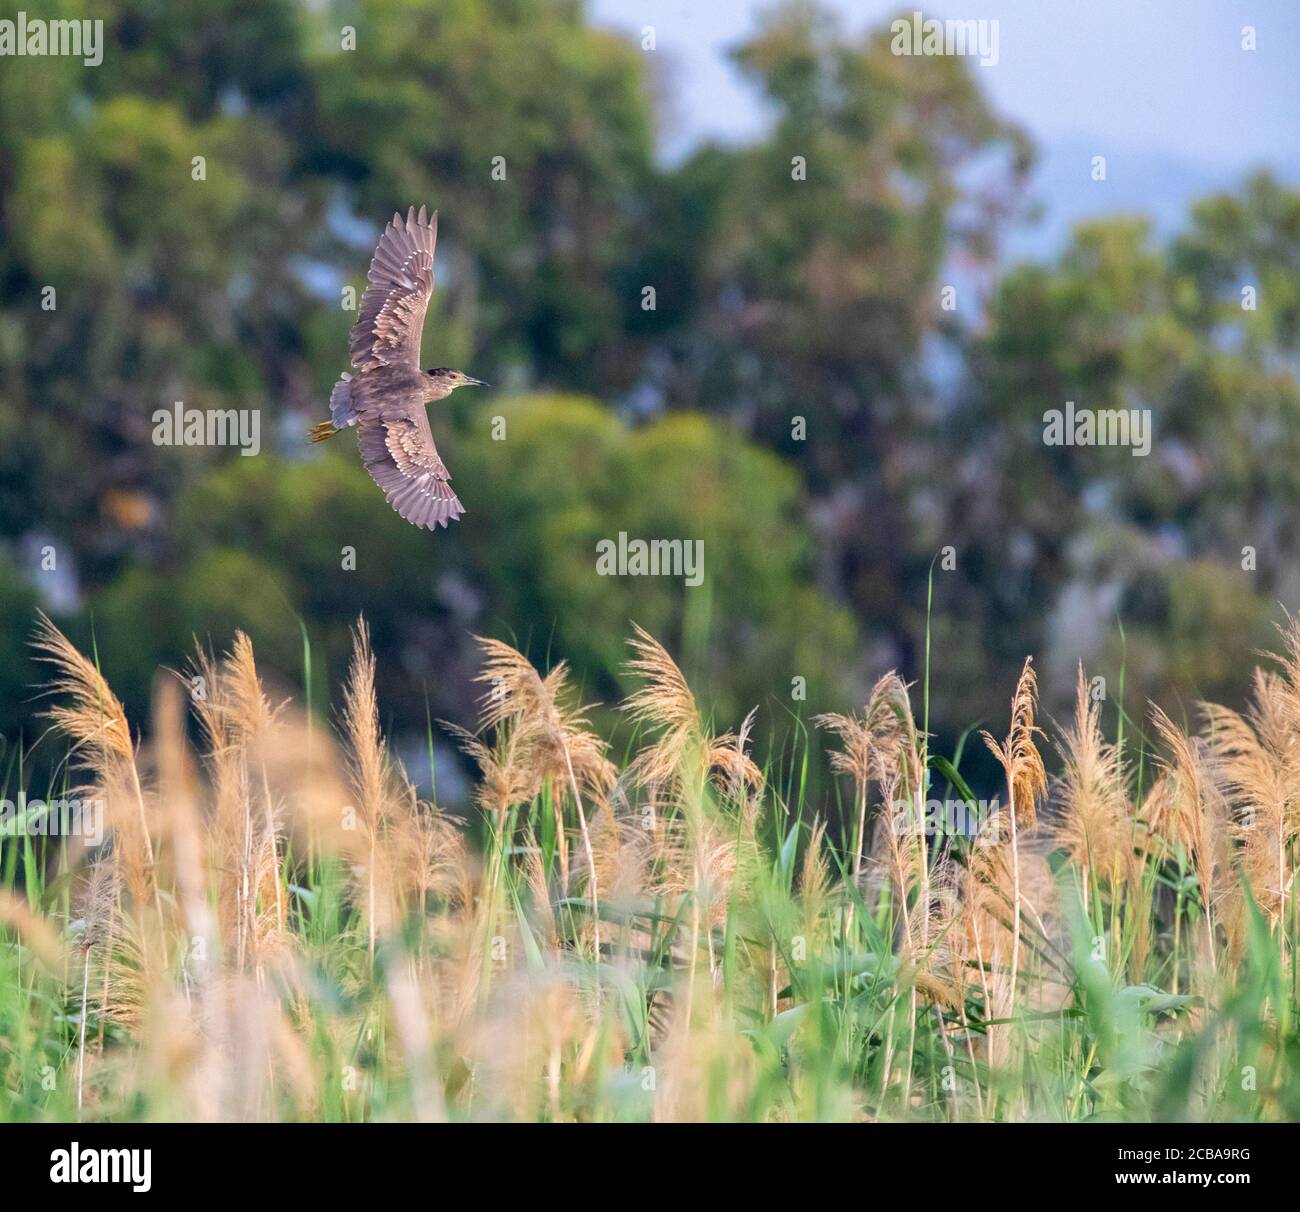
[278, 927]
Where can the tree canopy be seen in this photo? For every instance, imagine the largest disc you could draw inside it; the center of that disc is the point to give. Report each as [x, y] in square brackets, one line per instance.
[189, 220]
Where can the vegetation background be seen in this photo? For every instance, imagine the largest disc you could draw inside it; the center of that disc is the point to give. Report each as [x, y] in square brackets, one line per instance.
[775, 298]
[707, 918]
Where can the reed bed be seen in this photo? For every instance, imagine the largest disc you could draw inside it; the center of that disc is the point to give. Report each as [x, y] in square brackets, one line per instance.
[275, 926]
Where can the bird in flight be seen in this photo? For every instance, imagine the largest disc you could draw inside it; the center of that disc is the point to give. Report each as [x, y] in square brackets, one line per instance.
[386, 397]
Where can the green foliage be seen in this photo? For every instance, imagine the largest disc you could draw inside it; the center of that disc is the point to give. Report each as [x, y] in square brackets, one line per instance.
[796, 306]
[1160, 541]
[17, 671]
[809, 1003]
[569, 475]
[262, 540]
[433, 95]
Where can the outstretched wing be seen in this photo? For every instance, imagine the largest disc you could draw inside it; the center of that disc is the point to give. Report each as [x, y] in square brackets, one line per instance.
[398, 288]
[398, 451]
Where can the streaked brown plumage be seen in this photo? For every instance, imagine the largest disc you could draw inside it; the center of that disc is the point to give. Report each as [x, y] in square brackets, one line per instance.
[386, 397]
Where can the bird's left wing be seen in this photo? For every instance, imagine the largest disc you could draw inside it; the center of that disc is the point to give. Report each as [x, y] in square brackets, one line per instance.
[398, 288]
[398, 451]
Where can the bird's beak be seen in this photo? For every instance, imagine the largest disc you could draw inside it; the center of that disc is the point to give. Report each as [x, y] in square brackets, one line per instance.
[468, 382]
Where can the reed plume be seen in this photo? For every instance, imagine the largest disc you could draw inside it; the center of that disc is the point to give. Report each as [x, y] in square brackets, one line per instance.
[202, 964]
[1253, 760]
[1026, 780]
[1093, 825]
[95, 723]
[871, 746]
[1193, 823]
[370, 776]
[554, 737]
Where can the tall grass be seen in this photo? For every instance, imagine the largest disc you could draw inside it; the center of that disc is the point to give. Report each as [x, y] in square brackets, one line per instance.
[277, 927]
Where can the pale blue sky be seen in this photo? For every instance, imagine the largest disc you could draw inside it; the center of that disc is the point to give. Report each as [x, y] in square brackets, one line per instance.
[1161, 87]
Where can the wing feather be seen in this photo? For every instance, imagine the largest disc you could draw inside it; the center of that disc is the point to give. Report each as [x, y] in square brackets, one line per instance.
[400, 455]
[398, 288]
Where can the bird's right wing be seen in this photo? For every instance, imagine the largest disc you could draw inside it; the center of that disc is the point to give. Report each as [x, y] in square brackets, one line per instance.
[399, 454]
[398, 288]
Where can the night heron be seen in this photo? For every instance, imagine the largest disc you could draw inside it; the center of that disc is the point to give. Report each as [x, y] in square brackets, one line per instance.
[386, 398]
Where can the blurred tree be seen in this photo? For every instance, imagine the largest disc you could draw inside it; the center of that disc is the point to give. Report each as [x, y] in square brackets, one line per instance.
[17, 670]
[785, 400]
[533, 133]
[1193, 544]
[149, 249]
[807, 279]
[567, 475]
[570, 475]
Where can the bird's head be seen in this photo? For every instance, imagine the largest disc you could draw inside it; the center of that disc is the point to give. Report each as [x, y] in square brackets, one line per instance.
[448, 380]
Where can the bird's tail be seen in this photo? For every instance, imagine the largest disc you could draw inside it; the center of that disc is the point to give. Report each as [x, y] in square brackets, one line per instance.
[342, 414]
